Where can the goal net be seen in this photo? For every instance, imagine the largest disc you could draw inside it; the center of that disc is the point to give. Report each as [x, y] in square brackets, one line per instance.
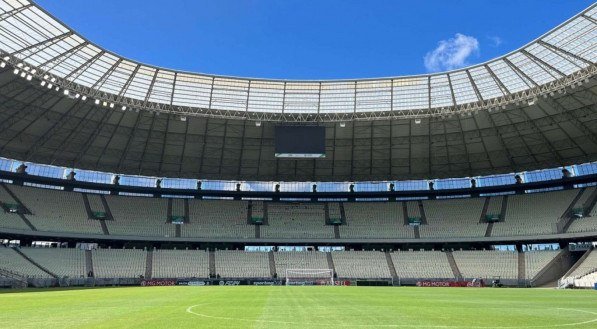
[309, 277]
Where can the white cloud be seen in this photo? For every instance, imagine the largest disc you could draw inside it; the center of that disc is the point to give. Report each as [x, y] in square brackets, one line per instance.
[496, 41]
[451, 53]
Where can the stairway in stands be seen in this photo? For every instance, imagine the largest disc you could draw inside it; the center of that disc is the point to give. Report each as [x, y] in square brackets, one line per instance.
[453, 265]
[330, 261]
[34, 262]
[22, 208]
[148, 264]
[521, 269]
[19, 280]
[391, 266]
[272, 264]
[212, 264]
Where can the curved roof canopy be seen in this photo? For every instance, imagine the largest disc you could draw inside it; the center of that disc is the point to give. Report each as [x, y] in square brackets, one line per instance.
[31, 37]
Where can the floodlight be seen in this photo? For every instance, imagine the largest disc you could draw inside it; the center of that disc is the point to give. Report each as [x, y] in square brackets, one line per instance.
[342, 124]
[111, 105]
[417, 121]
[84, 97]
[16, 71]
[23, 74]
[66, 92]
[123, 108]
[77, 95]
[258, 123]
[97, 101]
[29, 77]
[105, 103]
[43, 83]
[2, 64]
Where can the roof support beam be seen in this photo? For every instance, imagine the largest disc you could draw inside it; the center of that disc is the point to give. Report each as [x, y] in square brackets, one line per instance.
[76, 73]
[563, 51]
[536, 59]
[66, 53]
[35, 45]
[500, 84]
[521, 74]
[10, 13]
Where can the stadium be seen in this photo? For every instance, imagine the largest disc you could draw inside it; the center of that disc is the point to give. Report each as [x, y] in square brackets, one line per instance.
[228, 202]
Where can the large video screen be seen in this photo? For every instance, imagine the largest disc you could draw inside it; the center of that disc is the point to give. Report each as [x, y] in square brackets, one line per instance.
[300, 141]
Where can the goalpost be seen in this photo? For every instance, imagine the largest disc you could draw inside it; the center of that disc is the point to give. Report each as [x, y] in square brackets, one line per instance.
[309, 277]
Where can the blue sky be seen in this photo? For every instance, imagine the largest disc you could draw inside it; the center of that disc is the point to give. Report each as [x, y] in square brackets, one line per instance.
[312, 39]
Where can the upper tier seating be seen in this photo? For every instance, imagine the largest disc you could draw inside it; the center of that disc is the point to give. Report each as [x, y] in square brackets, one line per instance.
[12, 261]
[487, 264]
[64, 212]
[9, 220]
[291, 220]
[299, 260]
[242, 264]
[361, 264]
[218, 219]
[119, 263]
[422, 264]
[588, 223]
[56, 211]
[63, 262]
[139, 216]
[453, 218]
[534, 214]
[375, 220]
[180, 264]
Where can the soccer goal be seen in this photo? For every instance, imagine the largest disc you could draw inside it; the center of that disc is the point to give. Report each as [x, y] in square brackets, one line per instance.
[309, 277]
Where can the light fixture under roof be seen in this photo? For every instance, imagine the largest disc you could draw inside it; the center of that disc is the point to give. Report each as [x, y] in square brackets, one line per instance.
[111, 105]
[2, 64]
[97, 101]
[342, 124]
[16, 71]
[84, 97]
[43, 83]
[66, 92]
[123, 107]
[258, 123]
[29, 77]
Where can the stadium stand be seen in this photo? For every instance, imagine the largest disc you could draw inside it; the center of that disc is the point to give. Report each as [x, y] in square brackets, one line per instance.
[296, 220]
[375, 220]
[180, 264]
[534, 214]
[139, 216]
[221, 218]
[56, 211]
[63, 262]
[11, 260]
[487, 264]
[588, 265]
[119, 263]
[10, 220]
[241, 264]
[299, 260]
[361, 264]
[422, 264]
[453, 218]
[535, 261]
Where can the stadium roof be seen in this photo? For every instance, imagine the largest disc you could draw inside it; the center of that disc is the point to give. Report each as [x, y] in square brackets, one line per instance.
[533, 108]
[32, 36]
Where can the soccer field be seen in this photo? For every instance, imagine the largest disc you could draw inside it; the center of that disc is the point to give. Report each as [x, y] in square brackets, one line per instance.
[298, 307]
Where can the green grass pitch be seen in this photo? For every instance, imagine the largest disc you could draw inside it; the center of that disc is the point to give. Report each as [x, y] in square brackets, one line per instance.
[298, 307]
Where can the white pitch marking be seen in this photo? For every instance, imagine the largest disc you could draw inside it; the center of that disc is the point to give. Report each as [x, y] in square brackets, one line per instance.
[190, 310]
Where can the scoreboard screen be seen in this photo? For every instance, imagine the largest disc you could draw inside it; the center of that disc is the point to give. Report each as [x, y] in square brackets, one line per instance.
[300, 141]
